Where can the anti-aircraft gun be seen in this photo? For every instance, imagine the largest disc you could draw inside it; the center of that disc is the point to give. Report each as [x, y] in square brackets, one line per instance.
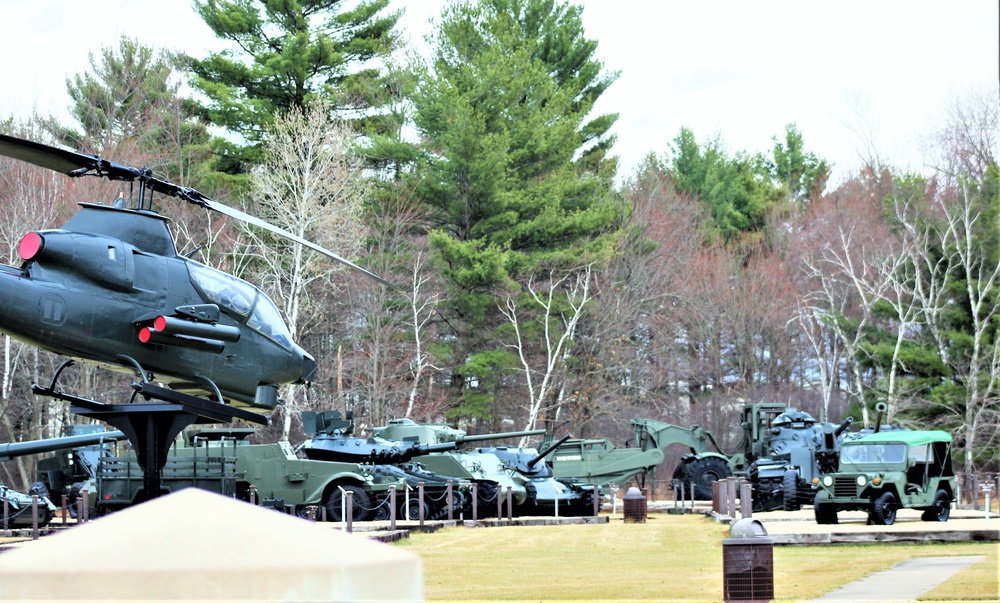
[795, 450]
[76, 438]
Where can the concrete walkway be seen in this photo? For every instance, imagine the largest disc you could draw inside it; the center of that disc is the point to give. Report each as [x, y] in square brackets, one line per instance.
[905, 581]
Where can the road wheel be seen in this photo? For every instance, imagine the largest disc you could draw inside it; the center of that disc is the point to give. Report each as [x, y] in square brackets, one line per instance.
[703, 472]
[790, 491]
[826, 513]
[411, 511]
[940, 510]
[884, 509]
[360, 505]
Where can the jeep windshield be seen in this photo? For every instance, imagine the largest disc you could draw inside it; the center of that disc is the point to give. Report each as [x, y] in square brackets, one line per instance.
[872, 454]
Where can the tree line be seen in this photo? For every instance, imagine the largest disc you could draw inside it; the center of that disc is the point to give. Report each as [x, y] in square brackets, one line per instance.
[532, 289]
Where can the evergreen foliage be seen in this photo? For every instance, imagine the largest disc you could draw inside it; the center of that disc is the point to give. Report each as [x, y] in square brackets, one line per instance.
[286, 54]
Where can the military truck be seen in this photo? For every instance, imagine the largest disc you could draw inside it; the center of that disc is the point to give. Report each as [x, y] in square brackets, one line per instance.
[223, 461]
[885, 471]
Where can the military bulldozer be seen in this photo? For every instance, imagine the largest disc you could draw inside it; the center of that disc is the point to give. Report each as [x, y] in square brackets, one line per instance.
[601, 462]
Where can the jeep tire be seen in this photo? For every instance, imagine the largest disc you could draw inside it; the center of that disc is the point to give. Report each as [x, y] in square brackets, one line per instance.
[826, 513]
[940, 510]
[883, 511]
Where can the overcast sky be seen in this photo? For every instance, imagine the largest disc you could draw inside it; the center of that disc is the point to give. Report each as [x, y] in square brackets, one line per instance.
[738, 69]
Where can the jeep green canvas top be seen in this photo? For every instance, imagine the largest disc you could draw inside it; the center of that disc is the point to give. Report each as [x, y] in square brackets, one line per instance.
[885, 471]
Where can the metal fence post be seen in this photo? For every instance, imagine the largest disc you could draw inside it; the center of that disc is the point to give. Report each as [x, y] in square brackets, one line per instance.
[746, 499]
[510, 510]
[475, 502]
[350, 511]
[392, 507]
[34, 517]
[85, 499]
[450, 506]
[420, 500]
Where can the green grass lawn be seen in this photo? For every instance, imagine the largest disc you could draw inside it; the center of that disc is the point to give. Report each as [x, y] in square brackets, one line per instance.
[670, 557]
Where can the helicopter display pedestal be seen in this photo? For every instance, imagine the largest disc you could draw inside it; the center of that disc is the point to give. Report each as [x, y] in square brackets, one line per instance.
[151, 427]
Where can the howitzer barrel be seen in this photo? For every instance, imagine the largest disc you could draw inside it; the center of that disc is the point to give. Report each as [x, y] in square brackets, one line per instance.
[548, 450]
[15, 449]
[880, 410]
[843, 427]
[499, 436]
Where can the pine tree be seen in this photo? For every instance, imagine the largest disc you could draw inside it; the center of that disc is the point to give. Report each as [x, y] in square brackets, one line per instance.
[287, 54]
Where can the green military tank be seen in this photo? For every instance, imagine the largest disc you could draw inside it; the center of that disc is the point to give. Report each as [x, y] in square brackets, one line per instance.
[523, 471]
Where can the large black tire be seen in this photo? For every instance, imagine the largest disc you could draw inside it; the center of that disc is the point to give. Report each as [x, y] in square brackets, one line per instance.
[826, 513]
[940, 510]
[790, 491]
[703, 472]
[360, 505]
[883, 511]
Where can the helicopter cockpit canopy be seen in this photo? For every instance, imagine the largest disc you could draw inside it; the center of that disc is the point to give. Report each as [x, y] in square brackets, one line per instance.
[241, 300]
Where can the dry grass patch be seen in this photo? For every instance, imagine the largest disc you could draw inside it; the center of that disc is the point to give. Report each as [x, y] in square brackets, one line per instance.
[978, 582]
[667, 558]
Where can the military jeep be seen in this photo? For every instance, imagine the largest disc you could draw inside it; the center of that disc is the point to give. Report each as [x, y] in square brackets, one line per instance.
[885, 471]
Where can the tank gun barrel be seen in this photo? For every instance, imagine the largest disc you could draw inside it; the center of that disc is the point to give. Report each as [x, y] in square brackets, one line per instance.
[12, 450]
[420, 449]
[481, 437]
[548, 451]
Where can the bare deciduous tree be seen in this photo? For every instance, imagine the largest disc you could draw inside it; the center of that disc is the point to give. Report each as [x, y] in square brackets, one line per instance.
[556, 324]
[311, 187]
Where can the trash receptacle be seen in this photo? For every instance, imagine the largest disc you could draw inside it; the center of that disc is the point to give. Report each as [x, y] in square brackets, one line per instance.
[634, 506]
[748, 562]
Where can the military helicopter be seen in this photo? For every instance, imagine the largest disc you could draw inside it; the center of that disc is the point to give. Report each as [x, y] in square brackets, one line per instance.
[109, 287]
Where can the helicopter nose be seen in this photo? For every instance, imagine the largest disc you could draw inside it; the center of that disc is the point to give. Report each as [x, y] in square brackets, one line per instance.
[309, 368]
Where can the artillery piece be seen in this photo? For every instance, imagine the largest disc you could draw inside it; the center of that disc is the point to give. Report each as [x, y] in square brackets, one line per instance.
[75, 437]
[795, 451]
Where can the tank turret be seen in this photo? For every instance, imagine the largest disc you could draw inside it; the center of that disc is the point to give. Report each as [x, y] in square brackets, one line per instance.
[334, 442]
[403, 430]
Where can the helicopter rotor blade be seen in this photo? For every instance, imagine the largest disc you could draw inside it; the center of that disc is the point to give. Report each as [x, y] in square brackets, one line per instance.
[239, 215]
[66, 162]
